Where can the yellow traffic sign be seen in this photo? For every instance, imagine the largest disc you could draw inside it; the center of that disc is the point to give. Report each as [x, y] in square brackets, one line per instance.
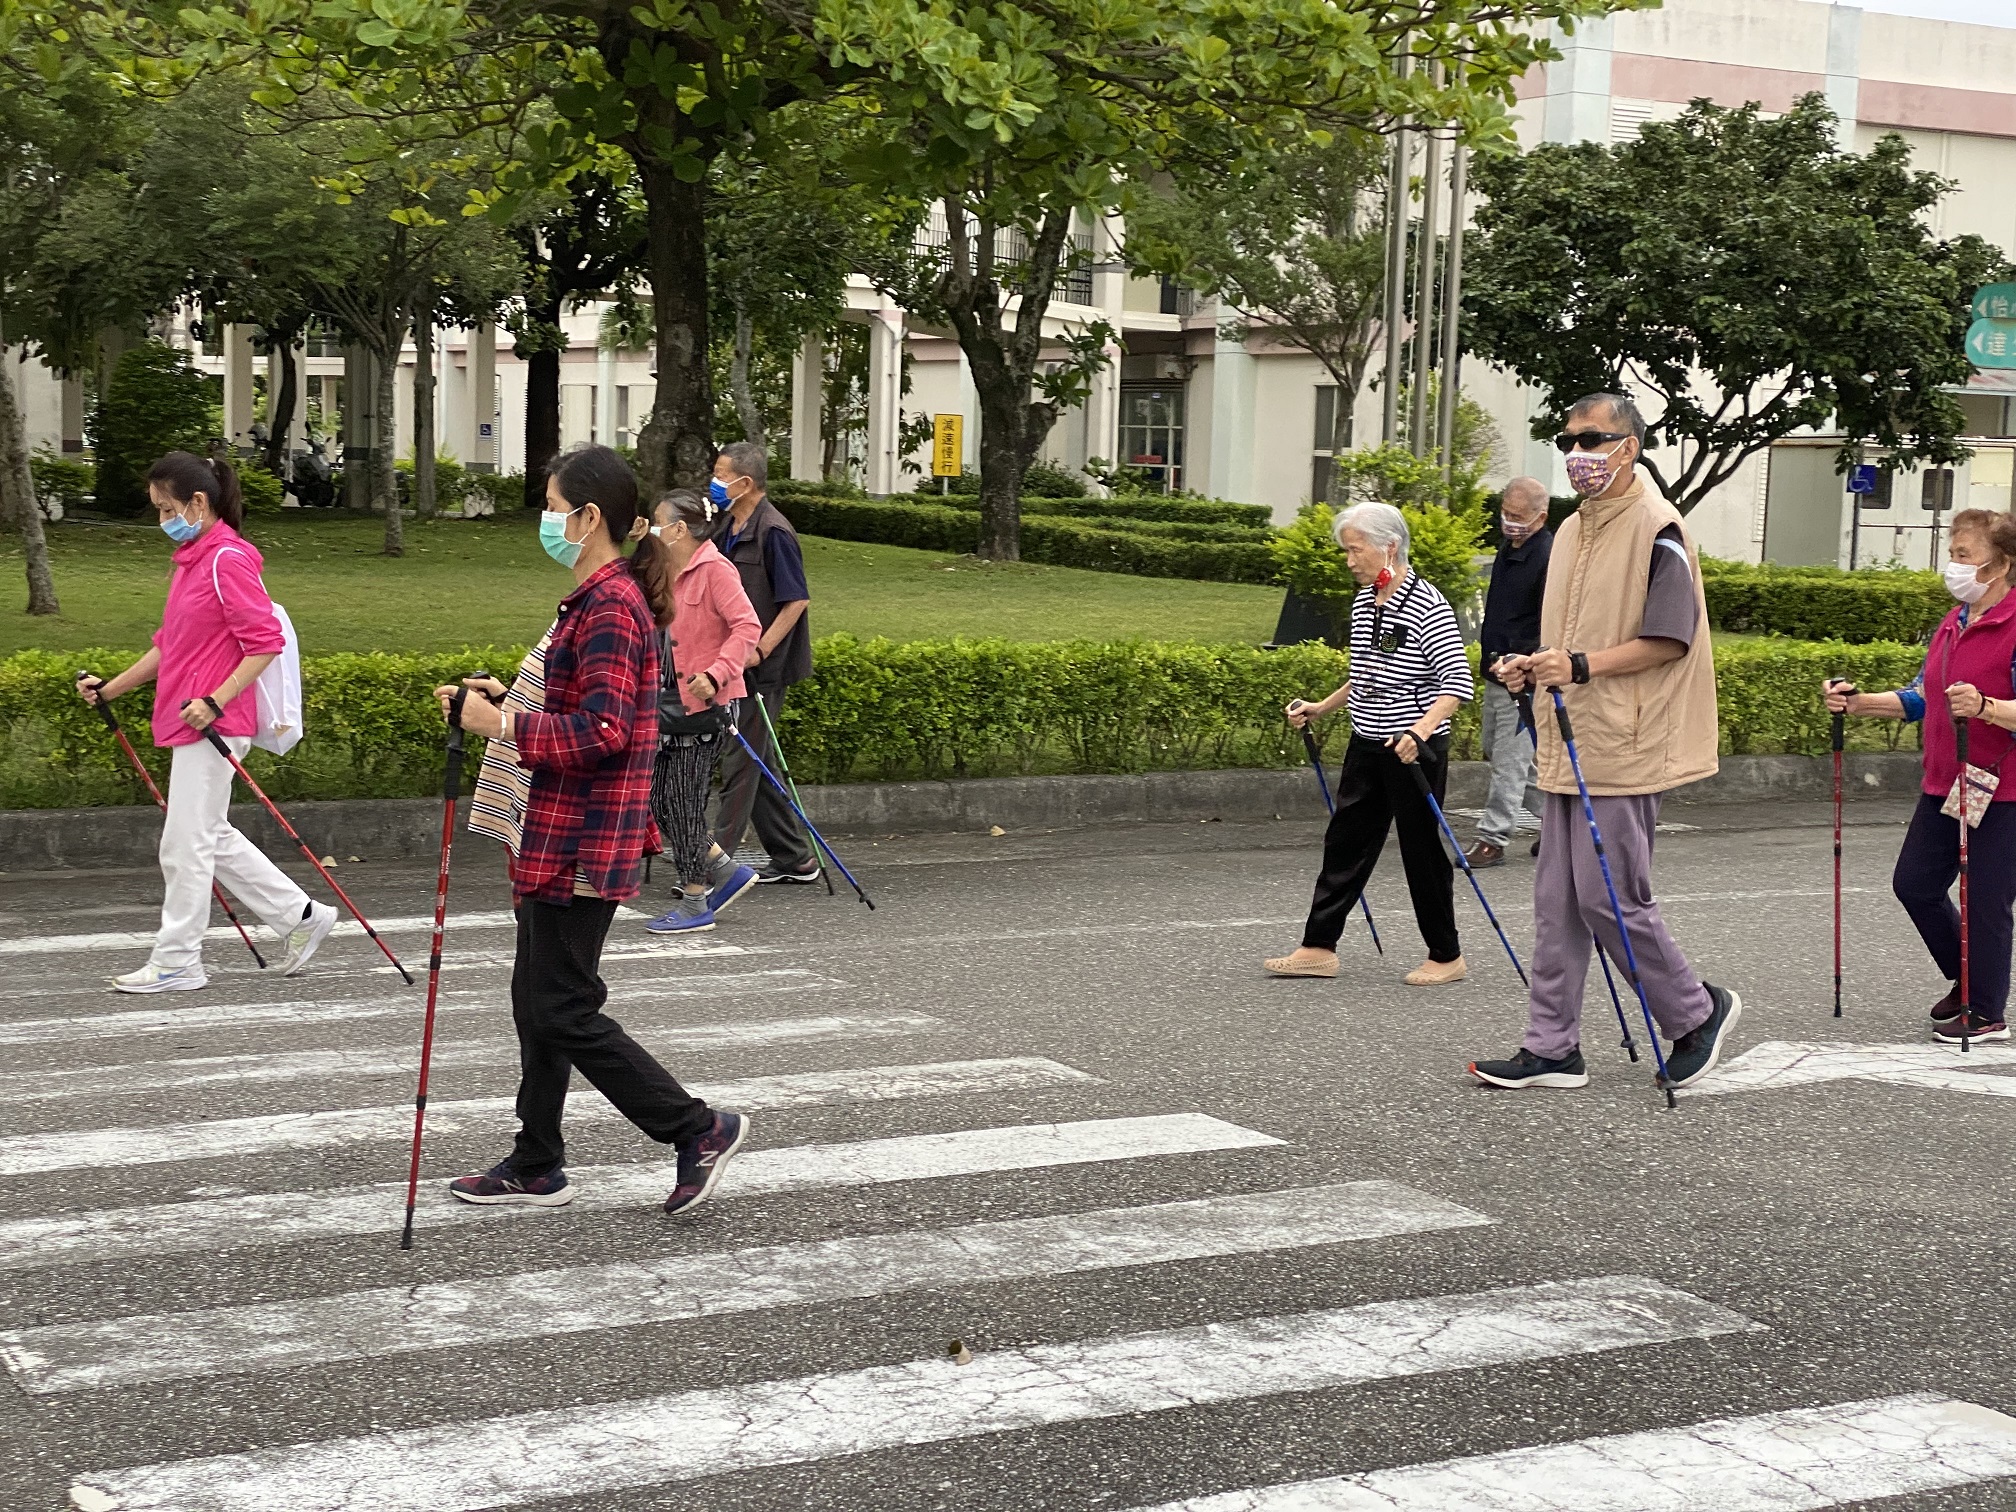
[948, 435]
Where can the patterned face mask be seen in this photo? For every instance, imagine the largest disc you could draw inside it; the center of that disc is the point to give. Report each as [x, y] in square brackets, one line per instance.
[1589, 473]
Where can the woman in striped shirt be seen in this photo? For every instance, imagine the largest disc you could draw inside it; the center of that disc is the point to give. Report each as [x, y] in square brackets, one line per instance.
[1408, 675]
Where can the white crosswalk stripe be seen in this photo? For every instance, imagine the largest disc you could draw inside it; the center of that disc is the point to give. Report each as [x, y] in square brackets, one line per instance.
[498, 1309]
[27, 1154]
[402, 1060]
[346, 928]
[190, 1018]
[1795, 1461]
[508, 1461]
[216, 1223]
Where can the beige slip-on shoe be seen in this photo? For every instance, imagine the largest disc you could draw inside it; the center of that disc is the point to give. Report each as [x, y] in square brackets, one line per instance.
[1288, 966]
[1437, 973]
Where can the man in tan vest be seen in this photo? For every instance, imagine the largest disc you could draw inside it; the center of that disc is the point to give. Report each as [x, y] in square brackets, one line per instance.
[1624, 635]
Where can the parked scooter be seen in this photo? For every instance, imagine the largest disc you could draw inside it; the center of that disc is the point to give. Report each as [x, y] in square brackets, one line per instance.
[313, 483]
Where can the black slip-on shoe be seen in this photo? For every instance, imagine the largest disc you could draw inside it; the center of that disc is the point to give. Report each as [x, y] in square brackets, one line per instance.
[1695, 1053]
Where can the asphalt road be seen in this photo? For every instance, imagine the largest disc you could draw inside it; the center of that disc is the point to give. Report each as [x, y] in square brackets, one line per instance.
[1201, 1232]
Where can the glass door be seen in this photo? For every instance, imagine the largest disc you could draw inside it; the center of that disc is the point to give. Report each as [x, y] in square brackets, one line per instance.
[1151, 431]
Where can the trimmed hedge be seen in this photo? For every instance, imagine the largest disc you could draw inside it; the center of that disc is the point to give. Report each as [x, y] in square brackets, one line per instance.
[879, 710]
[1050, 539]
[1123, 507]
[1812, 603]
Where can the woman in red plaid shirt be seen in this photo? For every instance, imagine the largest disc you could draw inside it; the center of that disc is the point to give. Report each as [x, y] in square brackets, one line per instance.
[587, 830]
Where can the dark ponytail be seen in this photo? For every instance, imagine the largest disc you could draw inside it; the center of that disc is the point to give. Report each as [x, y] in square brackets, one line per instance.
[598, 475]
[184, 475]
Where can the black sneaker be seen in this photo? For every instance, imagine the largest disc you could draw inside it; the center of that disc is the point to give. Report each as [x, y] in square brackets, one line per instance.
[1976, 1029]
[702, 1162]
[1529, 1070]
[770, 871]
[1695, 1053]
[1947, 1008]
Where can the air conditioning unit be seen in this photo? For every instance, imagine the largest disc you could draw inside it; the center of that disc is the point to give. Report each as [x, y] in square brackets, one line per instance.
[1176, 368]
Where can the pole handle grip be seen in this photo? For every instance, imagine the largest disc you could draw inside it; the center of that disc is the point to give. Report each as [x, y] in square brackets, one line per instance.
[1561, 717]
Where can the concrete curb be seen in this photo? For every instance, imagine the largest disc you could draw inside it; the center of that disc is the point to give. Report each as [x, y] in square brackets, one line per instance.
[400, 829]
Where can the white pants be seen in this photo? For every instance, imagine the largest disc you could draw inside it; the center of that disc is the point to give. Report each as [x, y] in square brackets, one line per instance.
[198, 844]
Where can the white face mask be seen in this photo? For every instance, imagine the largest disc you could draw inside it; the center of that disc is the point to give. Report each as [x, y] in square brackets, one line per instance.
[1964, 583]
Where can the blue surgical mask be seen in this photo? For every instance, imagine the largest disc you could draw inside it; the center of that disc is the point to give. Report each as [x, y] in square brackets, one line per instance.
[179, 530]
[718, 492]
[553, 536]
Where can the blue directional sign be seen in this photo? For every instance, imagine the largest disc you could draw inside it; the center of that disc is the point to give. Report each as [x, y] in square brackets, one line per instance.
[1991, 343]
[1862, 478]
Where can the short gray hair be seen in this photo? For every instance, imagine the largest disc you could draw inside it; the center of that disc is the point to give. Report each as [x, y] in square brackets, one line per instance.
[749, 461]
[1381, 524]
[1622, 411]
[1533, 491]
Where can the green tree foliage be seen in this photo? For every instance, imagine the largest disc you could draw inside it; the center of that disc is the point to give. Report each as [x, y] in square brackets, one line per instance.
[1442, 547]
[157, 402]
[1296, 238]
[1740, 276]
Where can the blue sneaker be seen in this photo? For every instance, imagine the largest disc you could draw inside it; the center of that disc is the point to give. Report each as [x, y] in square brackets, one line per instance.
[502, 1184]
[731, 887]
[689, 915]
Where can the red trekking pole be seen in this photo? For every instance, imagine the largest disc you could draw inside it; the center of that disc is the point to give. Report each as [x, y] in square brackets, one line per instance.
[104, 708]
[313, 860]
[451, 789]
[1966, 999]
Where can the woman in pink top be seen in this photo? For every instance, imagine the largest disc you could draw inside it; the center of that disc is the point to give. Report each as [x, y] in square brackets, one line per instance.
[713, 630]
[217, 635]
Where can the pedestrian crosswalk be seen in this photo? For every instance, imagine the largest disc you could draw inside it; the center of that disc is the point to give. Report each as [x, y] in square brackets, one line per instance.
[111, 1116]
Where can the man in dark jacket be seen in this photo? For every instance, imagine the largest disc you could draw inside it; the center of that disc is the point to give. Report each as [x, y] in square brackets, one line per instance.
[753, 535]
[1511, 627]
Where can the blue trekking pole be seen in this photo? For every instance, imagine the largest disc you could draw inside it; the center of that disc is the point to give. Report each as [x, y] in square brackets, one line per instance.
[1428, 792]
[1532, 728]
[1616, 909]
[821, 839]
[1316, 760]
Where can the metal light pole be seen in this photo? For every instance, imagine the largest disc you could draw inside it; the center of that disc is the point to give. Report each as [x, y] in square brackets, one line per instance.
[1396, 271]
[1418, 440]
[1452, 297]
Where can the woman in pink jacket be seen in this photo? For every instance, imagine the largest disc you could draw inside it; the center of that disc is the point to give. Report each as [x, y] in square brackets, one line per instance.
[217, 635]
[713, 631]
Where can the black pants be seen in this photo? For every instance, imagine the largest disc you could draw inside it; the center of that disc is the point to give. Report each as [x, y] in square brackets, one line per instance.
[1375, 792]
[747, 794]
[1927, 867]
[557, 995]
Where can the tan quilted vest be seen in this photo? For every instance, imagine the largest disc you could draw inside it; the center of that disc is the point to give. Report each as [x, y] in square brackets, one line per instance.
[1650, 731]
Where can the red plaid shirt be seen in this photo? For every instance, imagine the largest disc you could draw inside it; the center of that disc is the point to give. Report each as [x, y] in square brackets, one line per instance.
[591, 748]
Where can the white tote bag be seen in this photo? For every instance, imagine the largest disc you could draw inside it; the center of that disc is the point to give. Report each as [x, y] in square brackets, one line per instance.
[278, 690]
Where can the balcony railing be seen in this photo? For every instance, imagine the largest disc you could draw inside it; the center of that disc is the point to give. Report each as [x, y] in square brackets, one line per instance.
[1011, 252]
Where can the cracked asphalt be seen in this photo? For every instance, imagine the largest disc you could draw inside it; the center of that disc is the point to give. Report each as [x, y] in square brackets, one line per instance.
[1867, 1228]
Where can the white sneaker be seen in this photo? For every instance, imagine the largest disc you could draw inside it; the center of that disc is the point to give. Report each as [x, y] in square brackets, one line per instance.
[307, 938]
[150, 978]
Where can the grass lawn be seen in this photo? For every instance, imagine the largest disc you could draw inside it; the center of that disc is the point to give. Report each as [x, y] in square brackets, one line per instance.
[486, 582]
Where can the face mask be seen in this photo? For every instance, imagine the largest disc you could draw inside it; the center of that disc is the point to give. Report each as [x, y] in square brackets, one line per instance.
[718, 492]
[179, 530]
[1963, 584]
[1514, 532]
[553, 536]
[1589, 473]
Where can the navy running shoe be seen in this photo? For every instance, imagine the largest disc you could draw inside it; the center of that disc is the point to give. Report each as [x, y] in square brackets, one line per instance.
[702, 1162]
[1529, 1070]
[503, 1185]
[1695, 1053]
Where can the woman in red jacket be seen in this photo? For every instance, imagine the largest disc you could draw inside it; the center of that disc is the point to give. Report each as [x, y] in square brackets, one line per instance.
[1970, 675]
[587, 829]
[712, 633]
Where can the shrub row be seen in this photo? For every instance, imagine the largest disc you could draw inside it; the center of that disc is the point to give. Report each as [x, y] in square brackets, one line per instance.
[1124, 507]
[1811, 603]
[880, 710]
[1057, 541]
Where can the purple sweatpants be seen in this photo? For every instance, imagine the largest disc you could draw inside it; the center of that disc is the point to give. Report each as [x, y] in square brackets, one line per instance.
[1569, 902]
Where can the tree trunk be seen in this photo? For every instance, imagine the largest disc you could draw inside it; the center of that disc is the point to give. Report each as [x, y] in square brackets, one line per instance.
[423, 415]
[746, 408]
[542, 395]
[17, 493]
[385, 442]
[281, 416]
[676, 447]
[1004, 457]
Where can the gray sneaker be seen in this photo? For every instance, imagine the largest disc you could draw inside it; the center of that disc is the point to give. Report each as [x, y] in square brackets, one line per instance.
[307, 938]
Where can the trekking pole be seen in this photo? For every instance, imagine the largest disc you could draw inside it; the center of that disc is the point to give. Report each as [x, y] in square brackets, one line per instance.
[1609, 886]
[451, 790]
[1602, 957]
[1316, 760]
[778, 746]
[1966, 992]
[1428, 792]
[1840, 740]
[104, 708]
[313, 860]
[809, 829]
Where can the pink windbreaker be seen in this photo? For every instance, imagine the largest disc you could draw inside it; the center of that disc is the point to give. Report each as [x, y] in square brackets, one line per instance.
[713, 627]
[211, 623]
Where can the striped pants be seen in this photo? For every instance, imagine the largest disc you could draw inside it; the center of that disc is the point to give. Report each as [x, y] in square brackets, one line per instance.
[681, 779]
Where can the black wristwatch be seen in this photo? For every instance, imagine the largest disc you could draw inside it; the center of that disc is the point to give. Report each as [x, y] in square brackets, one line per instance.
[216, 709]
[1578, 666]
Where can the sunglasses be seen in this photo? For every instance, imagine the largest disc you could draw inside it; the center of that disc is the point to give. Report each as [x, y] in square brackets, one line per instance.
[1568, 441]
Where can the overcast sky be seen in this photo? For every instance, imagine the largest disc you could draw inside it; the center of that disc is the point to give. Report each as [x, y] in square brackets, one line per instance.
[1983, 12]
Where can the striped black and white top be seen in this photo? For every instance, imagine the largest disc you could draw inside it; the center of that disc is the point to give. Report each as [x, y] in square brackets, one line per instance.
[1405, 654]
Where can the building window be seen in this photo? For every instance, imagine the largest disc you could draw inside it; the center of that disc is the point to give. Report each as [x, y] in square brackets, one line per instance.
[1325, 440]
[1177, 298]
[1151, 431]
